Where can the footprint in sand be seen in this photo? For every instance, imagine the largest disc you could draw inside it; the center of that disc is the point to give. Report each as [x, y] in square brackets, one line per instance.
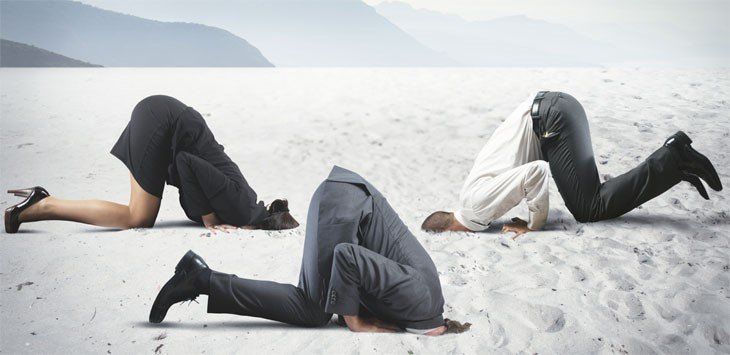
[497, 336]
[627, 305]
[621, 282]
[676, 203]
[634, 307]
[578, 274]
[457, 280]
[547, 318]
[644, 256]
[667, 312]
[673, 344]
[717, 337]
[644, 127]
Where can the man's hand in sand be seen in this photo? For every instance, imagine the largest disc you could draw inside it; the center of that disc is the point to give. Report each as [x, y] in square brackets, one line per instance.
[369, 325]
[518, 226]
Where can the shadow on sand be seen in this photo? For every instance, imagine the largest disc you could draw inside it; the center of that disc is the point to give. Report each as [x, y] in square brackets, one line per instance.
[158, 225]
[684, 224]
[253, 324]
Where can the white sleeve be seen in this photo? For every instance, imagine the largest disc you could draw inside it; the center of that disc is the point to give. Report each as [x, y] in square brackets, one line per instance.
[489, 199]
[537, 194]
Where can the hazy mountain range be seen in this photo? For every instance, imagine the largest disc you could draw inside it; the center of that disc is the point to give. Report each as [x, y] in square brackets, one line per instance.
[14, 54]
[104, 37]
[505, 41]
[523, 41]
[342, 33]
[299, 33]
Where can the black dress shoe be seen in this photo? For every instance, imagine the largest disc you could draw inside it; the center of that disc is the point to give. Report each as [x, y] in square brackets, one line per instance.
[32, 196]
[692, 162]
[181, 287]
[695, 181]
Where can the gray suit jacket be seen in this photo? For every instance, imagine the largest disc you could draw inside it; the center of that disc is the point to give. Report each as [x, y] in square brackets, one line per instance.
[352, 227]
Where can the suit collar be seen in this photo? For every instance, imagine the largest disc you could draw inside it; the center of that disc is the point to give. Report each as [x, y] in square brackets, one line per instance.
[339, 174]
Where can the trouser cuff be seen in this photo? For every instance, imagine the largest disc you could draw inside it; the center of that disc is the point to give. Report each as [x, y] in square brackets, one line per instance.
[219, 298]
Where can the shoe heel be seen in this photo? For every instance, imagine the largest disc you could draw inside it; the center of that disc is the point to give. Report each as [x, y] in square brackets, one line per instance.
[27, 191]
[682, 138]
[20, 192]
[185, 261]
[10, 228]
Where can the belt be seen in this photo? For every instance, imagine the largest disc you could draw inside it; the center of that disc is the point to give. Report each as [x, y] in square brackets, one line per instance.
[535, 112]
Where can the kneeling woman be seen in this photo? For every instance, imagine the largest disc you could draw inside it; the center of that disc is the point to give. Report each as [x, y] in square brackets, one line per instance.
[165, 141]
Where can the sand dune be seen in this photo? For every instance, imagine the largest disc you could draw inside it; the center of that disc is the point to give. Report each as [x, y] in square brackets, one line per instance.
[653, 281]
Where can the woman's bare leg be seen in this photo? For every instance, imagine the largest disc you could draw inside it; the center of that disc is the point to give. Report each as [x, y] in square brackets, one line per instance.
[141, 212]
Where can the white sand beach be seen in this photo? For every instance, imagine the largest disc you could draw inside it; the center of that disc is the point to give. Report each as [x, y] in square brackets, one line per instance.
[656, 280]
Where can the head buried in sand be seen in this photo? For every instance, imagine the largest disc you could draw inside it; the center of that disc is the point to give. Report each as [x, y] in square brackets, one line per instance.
[279, 217]
[438, 221]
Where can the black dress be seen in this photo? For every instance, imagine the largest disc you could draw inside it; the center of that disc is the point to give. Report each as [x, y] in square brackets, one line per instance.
[167, 141]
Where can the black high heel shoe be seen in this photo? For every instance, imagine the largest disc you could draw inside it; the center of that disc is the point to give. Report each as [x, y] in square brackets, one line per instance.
[32, 196]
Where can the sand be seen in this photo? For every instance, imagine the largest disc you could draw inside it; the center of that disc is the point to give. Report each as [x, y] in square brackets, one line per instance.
[653, 281]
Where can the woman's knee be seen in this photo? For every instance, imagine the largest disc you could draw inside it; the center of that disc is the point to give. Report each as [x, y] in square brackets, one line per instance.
[143, 213]
[141, 221]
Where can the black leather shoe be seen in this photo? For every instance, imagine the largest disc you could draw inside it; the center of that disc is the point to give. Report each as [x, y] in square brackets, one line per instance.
[32, 196]
[692, 162]
[695, 181]
[181, 287]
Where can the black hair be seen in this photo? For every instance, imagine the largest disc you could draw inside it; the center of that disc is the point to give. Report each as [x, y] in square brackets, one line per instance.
[278, 217]
[438, 221]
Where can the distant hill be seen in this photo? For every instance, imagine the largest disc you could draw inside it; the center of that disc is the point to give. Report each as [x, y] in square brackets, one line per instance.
[505, 41]
[112, 39]
[299, 33]
[14, 54]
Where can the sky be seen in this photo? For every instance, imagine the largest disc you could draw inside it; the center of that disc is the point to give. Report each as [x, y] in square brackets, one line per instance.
[691, 13]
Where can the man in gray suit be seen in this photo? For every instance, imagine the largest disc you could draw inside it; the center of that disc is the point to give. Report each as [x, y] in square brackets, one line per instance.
[360, 261]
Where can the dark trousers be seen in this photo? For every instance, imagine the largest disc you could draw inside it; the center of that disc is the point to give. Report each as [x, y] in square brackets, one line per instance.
[337, 275]
[354, 268]
[565, 140]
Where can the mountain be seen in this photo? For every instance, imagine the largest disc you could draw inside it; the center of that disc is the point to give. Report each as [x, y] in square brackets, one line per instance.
[112, 39]
[505, 41]
[668, 45]
[297, 32]
[14, 54]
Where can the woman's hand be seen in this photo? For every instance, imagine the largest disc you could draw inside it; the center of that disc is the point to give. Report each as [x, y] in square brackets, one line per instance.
[518, 226]
[226, 228]
[215, 225]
